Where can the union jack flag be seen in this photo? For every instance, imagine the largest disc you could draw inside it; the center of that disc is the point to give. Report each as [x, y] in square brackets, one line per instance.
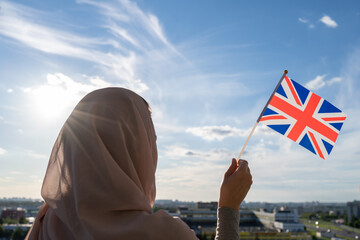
[304, 117]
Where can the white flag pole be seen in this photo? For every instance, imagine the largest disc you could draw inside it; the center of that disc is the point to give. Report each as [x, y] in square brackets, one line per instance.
[247, 140]
[261, 114]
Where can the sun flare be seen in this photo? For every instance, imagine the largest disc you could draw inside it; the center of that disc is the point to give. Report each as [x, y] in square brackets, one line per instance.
[51, 102]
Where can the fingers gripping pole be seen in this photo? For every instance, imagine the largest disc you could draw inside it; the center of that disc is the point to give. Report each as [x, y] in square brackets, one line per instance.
[247, 140]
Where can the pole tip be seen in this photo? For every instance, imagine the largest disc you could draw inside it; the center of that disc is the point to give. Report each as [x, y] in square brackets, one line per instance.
[285, 71]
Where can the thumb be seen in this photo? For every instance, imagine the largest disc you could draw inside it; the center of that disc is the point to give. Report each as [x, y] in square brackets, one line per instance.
[232, 168]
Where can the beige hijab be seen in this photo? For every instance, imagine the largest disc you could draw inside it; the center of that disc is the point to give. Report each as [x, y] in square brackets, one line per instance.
[100, 181]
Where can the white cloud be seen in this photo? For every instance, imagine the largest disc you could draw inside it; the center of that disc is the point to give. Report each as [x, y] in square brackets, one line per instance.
[328, 21]
[263, 129]
[303, 20]
[325, 20]
[316, 83]
[295, 170]
[10, 90]
[126, 14]
[195, 180]
[278, 166]
[307, 22]
[127, 23]
[350, 87]
[320, 82]
[35, 155]
[16, 22]
[2, 151]
[217, 132]
[5, 120]
[180, 152]
[60, 80]
[6, 180]
[334, 80]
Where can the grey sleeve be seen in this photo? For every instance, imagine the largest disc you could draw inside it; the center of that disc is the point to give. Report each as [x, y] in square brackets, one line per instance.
[227, 224]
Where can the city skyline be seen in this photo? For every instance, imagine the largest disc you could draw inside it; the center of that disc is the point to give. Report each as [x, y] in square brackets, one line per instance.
[206, 68]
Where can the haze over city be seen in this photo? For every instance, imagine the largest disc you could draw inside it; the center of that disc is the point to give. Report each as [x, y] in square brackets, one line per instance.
[207, 68]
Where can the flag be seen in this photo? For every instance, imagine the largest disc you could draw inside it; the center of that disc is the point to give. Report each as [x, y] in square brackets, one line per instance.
[304, 117]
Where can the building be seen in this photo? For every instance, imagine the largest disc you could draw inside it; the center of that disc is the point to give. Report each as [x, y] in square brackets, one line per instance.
[283, 219]
[203, 218]
[12, 213]
[353, 209]
[13, 227]
[207, 205]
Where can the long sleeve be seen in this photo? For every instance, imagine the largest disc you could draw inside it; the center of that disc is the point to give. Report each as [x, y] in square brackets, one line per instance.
[227, 224]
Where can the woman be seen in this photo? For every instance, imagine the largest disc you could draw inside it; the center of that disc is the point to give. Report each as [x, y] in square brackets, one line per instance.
[100, 180]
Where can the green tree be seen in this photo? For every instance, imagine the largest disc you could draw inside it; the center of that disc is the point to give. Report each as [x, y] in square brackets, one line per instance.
[22, 220]
[2, 232]
[10, 221]
[309, 216]
[18, 234]
[346, 219]
[354, 222]
[156, 208]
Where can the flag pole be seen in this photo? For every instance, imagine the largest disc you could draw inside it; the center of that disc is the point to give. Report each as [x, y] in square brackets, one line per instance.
[247, 140]
[261, 114]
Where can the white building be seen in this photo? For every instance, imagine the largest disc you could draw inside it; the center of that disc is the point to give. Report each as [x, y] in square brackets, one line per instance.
[280, 219]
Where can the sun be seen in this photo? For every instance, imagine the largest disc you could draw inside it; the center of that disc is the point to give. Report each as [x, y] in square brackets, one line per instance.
[51, 102]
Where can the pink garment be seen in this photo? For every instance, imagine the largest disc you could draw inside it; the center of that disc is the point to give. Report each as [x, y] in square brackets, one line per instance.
[100, 180]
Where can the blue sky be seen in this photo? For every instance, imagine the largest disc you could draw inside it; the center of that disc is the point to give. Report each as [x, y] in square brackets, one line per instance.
[206, 67]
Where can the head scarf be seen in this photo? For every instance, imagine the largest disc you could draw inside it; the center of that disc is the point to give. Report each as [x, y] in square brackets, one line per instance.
[100, 180]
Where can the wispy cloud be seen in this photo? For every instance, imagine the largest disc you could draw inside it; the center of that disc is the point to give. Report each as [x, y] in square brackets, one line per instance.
[217, 132]
[320, 82]
[6, 180]
[5, 120]
[18, 22]
[274, 163]
[131, 31]
[316, 83]
[328, 21]
[133, 52]
[288, 160]
[126, 13]
[181, 152]
[195, 180]
[303, 20]
[35, 155]
[306, 21]
[350, 88]
[334, 80]
[2, 151]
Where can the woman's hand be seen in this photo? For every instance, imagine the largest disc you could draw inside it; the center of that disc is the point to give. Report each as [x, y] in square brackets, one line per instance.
[236, 184]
